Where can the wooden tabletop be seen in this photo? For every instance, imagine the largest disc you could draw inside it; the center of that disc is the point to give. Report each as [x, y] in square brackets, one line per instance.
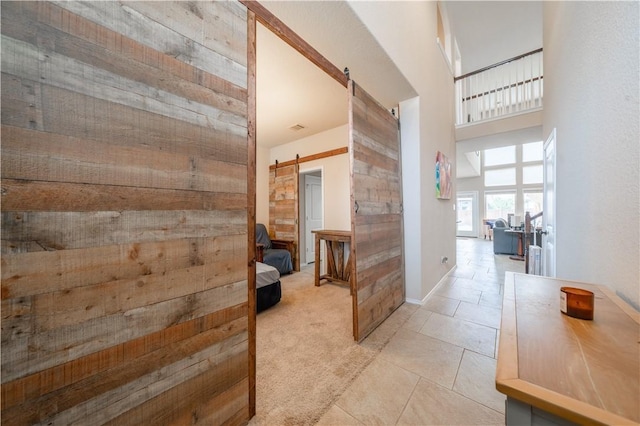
[333, 235]
[584, 371]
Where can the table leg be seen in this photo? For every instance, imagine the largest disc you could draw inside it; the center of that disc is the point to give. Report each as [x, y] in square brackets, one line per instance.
[317, 265]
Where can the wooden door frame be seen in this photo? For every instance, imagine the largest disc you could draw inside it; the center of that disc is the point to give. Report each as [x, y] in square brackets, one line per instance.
[258, 13]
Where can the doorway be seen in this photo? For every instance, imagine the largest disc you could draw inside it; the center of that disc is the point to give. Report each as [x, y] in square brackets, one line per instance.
[311, 213]
[467, 214]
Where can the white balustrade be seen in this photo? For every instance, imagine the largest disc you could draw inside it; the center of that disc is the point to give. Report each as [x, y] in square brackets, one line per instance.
[509, 87]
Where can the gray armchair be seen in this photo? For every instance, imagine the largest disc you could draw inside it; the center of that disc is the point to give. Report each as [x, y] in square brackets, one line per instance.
[276, 253]
[504, 242]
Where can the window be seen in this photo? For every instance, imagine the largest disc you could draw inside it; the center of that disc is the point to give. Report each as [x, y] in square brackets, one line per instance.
[533, 201]
[533, 205]
[532, 151]
[499, 204]
[500, 156]
[532, 174]
[500, 177]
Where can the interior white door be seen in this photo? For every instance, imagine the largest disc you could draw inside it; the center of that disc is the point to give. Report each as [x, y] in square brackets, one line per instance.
[313, 213]
[549, 207]
[467, 214]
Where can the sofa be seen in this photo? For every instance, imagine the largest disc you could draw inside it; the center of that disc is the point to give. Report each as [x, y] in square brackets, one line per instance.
[504, 242]
[276, 253]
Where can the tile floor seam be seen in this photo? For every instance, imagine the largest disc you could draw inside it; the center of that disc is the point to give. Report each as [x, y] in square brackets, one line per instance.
[458, 369]
[408, 399]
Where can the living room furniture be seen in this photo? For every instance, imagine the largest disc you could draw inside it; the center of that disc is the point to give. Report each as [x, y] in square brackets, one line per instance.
[487, 225]
[338, 268]
[504, 242]
[268, 286]
[520, 251]
[556, 368]
[275, 252]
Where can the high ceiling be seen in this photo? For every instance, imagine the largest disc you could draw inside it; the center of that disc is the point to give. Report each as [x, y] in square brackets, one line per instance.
[488, 32]
[291, 90]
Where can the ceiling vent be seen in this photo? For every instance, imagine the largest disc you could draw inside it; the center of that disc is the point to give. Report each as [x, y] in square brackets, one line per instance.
[296, 127]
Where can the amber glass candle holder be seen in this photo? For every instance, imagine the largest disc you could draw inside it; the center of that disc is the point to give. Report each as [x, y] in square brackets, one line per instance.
[576, 302]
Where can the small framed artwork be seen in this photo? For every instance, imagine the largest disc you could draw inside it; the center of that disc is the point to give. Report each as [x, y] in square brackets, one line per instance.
[443, 176]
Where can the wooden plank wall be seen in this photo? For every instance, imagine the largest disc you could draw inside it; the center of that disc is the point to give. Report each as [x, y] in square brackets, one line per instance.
[124, 213]
[283, 206]
[376, 188]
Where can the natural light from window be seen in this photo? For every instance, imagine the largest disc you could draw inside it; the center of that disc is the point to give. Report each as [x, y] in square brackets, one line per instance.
[500, 156]
[532, 152]
[500, 204]
[513, 179]
[532, 174]
[500, 177]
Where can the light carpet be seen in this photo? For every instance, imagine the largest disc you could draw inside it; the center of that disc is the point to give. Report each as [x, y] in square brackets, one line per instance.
[306, 355]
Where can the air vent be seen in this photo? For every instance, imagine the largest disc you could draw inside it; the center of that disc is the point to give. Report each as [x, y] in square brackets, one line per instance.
[296, 127]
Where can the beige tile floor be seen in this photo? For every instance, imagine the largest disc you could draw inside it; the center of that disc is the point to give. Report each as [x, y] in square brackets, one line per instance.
[439, 368]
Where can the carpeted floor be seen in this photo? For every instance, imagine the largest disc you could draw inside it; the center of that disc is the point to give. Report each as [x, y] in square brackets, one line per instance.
[306, 355]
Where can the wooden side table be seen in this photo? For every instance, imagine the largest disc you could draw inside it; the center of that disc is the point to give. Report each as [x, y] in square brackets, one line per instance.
[338, 268]
[558, 368]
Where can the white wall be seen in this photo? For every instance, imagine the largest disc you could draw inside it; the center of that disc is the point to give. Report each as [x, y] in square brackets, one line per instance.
[335, 174]
[591, 57]
[429, 223]
[262, 185]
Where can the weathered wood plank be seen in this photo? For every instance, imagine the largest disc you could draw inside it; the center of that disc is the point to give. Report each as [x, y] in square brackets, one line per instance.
[134, 374]
[230, 407]
[28, 354]
[205, 381]
[63, 72]
[377, 274]
[219, 26]
[92, 229]
[33, 155]
[105, 363]
[124, 20]
[20, 195]
[119, 125]
[372, 158]
[374, 310]
[29, 274]
[40, 24]
[73, 306]
[379, 236]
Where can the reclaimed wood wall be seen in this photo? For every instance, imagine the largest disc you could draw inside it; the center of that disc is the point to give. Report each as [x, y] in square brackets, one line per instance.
[377, 229]
[124, 213]
[283, 206]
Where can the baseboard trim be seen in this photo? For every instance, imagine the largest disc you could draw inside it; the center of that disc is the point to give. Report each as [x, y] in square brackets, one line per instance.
[433, 290]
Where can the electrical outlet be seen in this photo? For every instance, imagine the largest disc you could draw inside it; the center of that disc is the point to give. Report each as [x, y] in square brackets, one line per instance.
[444, 259]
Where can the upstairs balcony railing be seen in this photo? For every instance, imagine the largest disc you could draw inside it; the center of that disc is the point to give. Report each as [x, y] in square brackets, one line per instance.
[511, 86]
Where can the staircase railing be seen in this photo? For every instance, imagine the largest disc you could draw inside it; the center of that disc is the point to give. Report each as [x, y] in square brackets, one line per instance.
[508, 87]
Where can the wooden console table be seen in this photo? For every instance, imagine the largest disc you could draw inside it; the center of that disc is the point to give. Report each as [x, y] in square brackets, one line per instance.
[337, 269]
[556, 368]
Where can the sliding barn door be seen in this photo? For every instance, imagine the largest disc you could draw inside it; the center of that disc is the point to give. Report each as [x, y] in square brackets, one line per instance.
[124, 213]
[283, 206]
[376, 225]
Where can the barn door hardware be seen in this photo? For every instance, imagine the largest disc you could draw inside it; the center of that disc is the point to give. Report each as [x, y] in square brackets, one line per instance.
[357, 206]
